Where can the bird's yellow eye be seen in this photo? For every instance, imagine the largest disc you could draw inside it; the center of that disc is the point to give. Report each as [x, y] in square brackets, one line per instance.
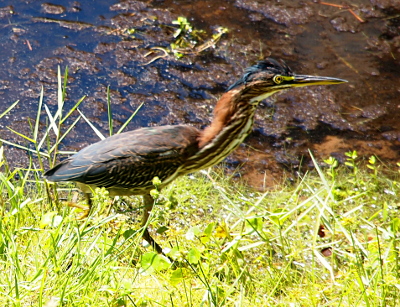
[278, 79]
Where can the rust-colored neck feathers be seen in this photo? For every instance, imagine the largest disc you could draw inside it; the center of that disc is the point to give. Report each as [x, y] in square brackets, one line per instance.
[223, 112]
[232, 122]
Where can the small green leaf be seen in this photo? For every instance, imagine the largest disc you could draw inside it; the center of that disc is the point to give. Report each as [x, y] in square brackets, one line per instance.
[155, 193]
[154, 261]
[385, 211]
[194, 256]
[278, 216]
[177, 276]
[209, 229]
[254, 224]
[395, 225]
[372, 160]
[129, 233]
[193, 232]
[156, 181]
[50, 219]
[162, 229]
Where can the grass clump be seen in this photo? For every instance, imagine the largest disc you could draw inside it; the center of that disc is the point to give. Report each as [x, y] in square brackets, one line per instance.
[331, 239]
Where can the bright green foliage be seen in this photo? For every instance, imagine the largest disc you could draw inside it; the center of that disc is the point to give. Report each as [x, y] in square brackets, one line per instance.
[187, 40]
[330, 239]
[228, 245]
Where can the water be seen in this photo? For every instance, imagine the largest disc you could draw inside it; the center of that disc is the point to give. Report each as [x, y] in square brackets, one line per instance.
[91, 38]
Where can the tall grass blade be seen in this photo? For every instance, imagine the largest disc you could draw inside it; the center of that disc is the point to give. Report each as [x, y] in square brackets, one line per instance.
[325, 264]
[98, 133]
[22, 147]
[45, 136]
[65, 83]
[21, 135]
[130, 118]
[65, 134]
[109, 112]
[73, 109]
[60, 93]
[9, 109]
[36, 131]
[321, 175]
[52, 119]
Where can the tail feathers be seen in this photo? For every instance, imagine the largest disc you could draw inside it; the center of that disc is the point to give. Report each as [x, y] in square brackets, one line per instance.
[61, 172]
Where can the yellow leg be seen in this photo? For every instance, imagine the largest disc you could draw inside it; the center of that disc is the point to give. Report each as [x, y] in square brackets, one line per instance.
[85, 209]
[148, 203]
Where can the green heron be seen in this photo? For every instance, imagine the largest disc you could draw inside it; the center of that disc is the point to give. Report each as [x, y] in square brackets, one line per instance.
[125, 164]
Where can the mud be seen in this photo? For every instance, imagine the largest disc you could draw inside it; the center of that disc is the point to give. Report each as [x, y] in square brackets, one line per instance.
[119, 45]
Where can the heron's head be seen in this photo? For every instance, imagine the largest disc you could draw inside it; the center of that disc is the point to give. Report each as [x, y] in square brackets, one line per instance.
[270, 76]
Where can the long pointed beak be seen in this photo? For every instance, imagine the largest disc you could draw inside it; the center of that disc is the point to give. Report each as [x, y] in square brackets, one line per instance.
[304, 80]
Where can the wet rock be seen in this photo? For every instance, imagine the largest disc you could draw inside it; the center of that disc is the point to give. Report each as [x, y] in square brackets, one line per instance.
[79, 60]
[386, 4]
[193, 79]
[343, 24]
[129, 5]
[4, 84]
[391, 135]
[396, 43]
[6, 11]
[374, 111]
[378, 46]
[163, 16]
[125, 56]
[75, 7]
[369, 11]
[102, 48]
[44, 73]
[122, 78]
[287, 158]
[310, 106]
[73, 25]
[55, 9]
[284, 14]
[392, 27]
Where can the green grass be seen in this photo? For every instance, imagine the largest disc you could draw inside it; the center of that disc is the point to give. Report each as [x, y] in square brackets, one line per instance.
[330, 239]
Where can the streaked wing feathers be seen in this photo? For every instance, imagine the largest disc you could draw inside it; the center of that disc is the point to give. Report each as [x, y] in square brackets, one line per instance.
[130, 159]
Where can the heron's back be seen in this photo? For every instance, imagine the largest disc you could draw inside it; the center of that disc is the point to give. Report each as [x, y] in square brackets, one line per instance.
[129, 161]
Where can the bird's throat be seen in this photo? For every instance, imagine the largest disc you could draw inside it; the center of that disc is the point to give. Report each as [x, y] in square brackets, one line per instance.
[223, 112]
[232, 122]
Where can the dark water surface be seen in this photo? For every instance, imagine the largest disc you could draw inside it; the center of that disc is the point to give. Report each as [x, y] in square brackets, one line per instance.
[361, 45]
